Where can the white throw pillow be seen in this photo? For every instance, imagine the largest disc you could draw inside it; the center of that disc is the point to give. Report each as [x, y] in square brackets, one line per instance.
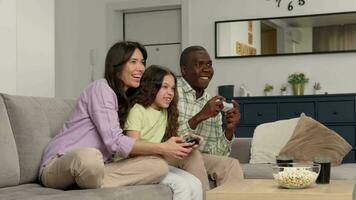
[269, 138]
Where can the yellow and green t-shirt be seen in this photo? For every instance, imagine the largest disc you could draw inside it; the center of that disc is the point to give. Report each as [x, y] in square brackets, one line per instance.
[151, 123]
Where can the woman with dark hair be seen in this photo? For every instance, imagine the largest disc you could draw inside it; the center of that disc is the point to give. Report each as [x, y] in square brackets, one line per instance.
[81, 153]
[154, 118]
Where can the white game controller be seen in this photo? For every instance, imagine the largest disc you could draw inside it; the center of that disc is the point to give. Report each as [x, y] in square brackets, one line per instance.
[227, 106]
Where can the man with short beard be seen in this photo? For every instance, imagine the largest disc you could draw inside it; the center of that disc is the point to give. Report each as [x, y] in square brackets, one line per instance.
[201, 114]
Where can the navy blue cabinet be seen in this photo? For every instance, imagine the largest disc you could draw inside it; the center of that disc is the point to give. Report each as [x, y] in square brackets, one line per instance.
[336, 111]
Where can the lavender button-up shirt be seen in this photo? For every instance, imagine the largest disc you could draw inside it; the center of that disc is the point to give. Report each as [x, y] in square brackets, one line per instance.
[93, 123]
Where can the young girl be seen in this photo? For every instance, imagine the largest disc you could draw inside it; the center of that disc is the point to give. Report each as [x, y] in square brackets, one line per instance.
[154, 118]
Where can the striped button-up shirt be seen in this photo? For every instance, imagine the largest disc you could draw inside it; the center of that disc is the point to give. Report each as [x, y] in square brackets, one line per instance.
[211, 129]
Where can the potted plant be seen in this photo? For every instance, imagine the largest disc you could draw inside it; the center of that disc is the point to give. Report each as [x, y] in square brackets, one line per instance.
[268, 89]
[316, 87]
[298, 80]
[283, 90]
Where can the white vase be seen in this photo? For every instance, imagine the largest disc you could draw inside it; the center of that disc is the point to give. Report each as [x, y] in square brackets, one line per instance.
[268, 93]
[317, 92]
[283, 93]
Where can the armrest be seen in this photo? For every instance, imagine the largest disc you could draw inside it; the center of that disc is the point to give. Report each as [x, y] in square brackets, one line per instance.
[240, 149]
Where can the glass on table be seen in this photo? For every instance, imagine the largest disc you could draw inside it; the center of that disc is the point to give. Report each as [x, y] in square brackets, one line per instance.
[283, 160]
[325, 169]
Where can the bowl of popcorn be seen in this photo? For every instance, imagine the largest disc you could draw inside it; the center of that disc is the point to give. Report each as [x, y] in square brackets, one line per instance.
[295, 175]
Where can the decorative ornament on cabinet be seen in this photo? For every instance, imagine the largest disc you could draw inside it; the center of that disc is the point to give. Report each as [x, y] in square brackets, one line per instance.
[283, 90]
[317, 88]
[268, 89]
[298, 80]
[243, 91]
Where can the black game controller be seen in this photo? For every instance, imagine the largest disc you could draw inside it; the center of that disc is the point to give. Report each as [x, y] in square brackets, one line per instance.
[191, 139]
[194, 141]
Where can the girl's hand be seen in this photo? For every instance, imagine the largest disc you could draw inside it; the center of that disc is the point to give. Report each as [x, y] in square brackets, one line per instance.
[201, 141]
[176, 148]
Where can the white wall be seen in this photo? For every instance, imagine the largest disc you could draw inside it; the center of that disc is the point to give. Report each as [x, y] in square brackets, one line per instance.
[8, 46]
[335, 72]
[81, 26]
[230, 33]
[299, 43]
[35, 47]
[225, 46]
[27, 47]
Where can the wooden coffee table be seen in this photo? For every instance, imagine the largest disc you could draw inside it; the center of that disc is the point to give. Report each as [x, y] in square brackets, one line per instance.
[263, 189]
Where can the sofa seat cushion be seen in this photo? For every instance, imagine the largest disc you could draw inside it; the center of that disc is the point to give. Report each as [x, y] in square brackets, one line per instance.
[37, 192]
[344, 171]
[257, 171]
[264, 171]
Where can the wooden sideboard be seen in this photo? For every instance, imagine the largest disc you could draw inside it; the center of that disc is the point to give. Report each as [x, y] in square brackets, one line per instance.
[336, 111]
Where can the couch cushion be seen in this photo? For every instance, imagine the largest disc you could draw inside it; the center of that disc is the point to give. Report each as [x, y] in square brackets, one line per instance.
[34, 122]
[240, 149]
[37, 192]
[257, 171]
[269, 138]
[344, 171]
[311, 138]
[9, 167]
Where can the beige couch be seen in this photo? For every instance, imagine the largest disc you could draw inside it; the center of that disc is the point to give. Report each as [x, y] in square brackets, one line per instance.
[28, 123]
[241, 150]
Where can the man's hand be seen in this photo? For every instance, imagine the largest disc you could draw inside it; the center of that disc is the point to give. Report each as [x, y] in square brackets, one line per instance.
[210, 109]
[176, 148]
[232, 117]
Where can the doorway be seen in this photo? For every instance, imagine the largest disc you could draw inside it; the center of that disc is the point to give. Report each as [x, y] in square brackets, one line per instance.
[268, 39]
[159, 31]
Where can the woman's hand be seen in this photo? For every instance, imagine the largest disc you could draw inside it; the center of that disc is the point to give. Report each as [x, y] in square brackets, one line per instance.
[175, 147]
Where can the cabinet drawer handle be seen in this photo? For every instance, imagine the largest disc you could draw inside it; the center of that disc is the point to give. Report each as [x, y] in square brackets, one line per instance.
[259, 114]
[335, 113]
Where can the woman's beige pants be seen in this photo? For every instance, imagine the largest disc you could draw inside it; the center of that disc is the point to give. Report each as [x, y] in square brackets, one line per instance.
[86, 168]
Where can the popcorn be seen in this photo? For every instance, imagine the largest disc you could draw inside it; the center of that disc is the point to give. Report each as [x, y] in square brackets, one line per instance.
[295, 177]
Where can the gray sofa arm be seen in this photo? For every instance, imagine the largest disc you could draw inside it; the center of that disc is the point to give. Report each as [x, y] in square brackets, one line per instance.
[240, 149]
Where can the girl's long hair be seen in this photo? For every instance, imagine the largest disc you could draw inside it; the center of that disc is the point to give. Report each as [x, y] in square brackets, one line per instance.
[116, 58]
[150, 84]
